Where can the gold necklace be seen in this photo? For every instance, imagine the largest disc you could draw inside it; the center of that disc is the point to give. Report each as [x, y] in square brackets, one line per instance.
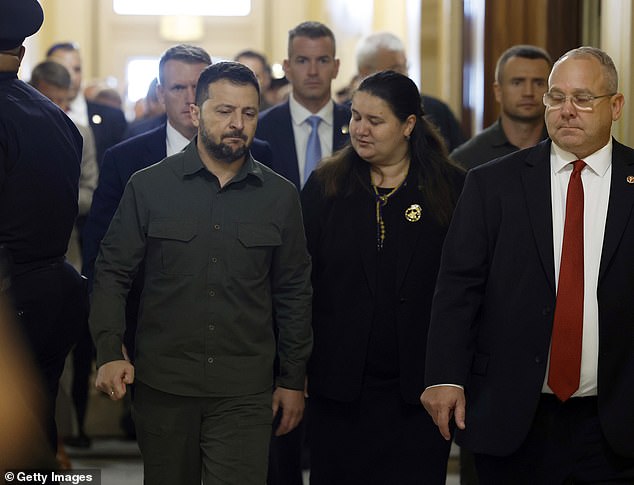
[381, 201]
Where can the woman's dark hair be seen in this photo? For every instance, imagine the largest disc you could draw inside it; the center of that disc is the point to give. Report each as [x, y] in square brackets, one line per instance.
[345, 172]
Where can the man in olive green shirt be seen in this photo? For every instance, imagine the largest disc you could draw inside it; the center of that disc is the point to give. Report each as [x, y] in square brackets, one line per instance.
[222, 242]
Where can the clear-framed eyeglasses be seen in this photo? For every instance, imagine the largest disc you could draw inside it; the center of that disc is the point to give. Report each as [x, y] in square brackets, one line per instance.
[583, 102]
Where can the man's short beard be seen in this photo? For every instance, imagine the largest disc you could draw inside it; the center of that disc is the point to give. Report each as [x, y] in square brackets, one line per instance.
[221, 151]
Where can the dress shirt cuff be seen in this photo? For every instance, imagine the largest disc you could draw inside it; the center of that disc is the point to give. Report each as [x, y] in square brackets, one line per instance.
[441, 385]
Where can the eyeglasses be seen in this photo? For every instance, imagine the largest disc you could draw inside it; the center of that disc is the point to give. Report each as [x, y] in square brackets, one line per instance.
[583, 102]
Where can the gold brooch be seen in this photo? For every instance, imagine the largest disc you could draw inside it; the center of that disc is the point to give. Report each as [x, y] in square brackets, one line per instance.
[630, 179]
[413, 213]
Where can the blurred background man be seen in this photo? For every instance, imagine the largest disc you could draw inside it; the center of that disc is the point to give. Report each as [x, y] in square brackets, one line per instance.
[521, 79]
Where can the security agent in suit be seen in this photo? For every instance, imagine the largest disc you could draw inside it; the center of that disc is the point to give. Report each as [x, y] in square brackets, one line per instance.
[108, 124]
[40, 153]
[494, 314]
[311, 66]
[383, 51]
[521, 79]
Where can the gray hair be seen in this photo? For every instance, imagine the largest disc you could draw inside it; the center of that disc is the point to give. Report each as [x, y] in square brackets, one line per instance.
[611, 76]
[51, 73]
[370, 45]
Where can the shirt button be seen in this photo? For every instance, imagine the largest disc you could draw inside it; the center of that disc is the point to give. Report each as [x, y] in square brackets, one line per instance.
[214, 260]
[212, 328]
[212, 293]
[216, 226]
[210, 360]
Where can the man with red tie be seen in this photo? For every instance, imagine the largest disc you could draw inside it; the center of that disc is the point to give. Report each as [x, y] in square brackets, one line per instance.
[531, 345]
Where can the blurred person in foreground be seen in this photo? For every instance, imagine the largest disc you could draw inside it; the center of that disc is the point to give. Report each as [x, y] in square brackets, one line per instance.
[224, 251]
[40, 153]
[376, 214]
[531, 344]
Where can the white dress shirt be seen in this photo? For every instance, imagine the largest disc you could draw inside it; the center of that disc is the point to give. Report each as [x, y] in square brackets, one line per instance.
[78, 111]
[302, 129]
[174, 141]
[596, 192]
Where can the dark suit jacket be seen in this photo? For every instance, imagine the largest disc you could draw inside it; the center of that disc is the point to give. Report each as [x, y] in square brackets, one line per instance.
[276, 127]
[341, 235]
[108, 125]
[441, 115]
[119, 163]
[493, 309]
[138, 127]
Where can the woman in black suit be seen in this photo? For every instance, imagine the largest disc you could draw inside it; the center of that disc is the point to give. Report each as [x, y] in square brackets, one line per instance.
[376, 214]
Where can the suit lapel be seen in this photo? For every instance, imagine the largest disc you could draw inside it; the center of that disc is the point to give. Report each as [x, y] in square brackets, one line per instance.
[156, 145]
[361, 221]
[410, 233]
[620, 204]
[536, 182]
[286, 142]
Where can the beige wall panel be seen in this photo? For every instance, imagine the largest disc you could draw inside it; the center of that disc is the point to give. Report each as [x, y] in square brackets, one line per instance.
[617, 19]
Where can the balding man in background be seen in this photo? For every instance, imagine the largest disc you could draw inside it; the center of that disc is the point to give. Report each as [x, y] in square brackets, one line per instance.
[53, 81]
[108, 124]
[383, 51]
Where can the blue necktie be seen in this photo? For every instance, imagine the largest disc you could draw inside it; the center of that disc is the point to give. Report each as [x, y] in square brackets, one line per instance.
[313, 148]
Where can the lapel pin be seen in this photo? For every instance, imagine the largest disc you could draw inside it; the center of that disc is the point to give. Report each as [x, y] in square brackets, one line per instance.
[630, 179]
[96, 119]
[413, 213]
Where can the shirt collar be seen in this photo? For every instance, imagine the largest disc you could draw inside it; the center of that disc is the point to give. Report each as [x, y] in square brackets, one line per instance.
[499, 137]
[78, 111]
[497, 134]
[192, 164]
[299, 114]
[175, 140]
[599, 161]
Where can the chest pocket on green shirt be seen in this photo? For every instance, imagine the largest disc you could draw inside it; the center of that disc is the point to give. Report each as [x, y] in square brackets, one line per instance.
[254, 250]
[174, 244]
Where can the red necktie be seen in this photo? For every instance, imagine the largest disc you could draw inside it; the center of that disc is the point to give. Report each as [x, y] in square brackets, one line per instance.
[565, 351]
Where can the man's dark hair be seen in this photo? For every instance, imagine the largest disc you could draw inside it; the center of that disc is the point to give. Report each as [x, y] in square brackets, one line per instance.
[185, 53]
[232, 71]
[523, 50]
[253, 55]
[52, 73]
[62, 46]
[312, 30]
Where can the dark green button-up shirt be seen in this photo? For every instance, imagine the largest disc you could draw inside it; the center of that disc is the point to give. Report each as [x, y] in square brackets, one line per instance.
[489, 144]
[220, 263]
